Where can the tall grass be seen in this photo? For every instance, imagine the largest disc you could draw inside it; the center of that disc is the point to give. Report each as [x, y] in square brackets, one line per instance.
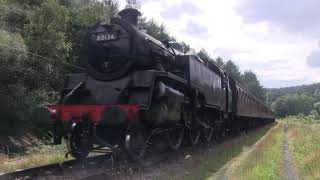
[264, 160]
[214, 160]
[304, 141]
[38, 156]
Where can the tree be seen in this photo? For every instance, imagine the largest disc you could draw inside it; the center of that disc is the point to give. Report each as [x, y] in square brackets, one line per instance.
[219, 61]
[292, 105]
[53, 29]
[233, 70]
[186, 47]
[316, 94]
[46, 37]
[309, 90]
[158, 31]
[203, 54]
[83, 16]
[132, 4]
[317, 108]
[252, 84]
[306, 104]
[16, 98]
[280, 107]
[13, 17]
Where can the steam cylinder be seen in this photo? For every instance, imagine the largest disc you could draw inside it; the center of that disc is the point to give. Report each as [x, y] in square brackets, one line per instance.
[166, 106]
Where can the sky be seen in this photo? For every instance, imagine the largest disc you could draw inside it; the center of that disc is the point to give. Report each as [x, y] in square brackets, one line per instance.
[278, 40]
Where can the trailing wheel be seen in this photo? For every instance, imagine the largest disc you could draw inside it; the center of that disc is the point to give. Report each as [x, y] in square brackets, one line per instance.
[135, 145]
[175, 138]
[79, 140]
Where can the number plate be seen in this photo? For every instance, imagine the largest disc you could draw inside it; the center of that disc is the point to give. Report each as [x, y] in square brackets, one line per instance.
[107, 36]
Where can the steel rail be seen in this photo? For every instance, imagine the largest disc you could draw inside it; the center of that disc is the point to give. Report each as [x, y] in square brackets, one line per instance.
[53, 168]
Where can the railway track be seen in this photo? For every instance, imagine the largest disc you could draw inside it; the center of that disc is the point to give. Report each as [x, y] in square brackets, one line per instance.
[102, 165]
[59, 169]
[90, 167]
[105, 165]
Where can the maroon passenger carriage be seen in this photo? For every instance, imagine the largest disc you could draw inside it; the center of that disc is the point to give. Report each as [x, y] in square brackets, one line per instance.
[136, 87]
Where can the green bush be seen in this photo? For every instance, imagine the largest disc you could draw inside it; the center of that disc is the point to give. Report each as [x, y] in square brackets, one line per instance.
[292, 105]
[53, 29]
[16, 99]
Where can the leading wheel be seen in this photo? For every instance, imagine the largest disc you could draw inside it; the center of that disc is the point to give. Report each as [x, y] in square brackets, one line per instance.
[175, 138]
[79, 141]
[135, 145]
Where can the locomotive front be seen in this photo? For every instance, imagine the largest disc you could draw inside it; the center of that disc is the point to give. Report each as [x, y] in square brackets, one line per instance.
[125, 73]
[116, 47]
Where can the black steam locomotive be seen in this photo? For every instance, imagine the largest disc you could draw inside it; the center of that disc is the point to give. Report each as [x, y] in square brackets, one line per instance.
[137, 87]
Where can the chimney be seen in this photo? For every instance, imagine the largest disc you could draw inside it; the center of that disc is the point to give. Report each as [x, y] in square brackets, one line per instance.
[130, 15]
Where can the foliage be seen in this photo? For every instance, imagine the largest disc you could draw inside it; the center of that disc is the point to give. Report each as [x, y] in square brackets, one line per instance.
[39, 40]
[83, 16]
[316, 94]
[11, 69]
[46, 37]
[219, 62]
[187, 48]
[250, 81]
[311, 90]
[317, 108]
[304, 138]
[16, 98]
[233, 70]
[292, 105]
[13, 17]
[203, 54]
[154, 29]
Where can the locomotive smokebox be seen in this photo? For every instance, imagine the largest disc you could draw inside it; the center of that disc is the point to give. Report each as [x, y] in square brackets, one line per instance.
[130, 15]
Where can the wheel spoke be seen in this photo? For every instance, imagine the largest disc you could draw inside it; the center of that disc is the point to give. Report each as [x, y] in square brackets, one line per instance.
[175, 138]
[208, 134]
[194, 136]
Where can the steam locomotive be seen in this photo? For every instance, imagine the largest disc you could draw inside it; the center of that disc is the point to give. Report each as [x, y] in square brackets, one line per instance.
[136, 87]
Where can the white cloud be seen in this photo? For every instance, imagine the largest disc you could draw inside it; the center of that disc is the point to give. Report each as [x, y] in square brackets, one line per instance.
[314, 59]
[293, 15]
[275, 48]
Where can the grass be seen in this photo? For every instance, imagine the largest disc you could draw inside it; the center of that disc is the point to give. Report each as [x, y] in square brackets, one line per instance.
[214, 160]
[304, 141]
[37, 156]
[264, 160]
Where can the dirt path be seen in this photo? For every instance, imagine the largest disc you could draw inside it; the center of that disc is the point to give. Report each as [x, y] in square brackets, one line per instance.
[288, 172]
